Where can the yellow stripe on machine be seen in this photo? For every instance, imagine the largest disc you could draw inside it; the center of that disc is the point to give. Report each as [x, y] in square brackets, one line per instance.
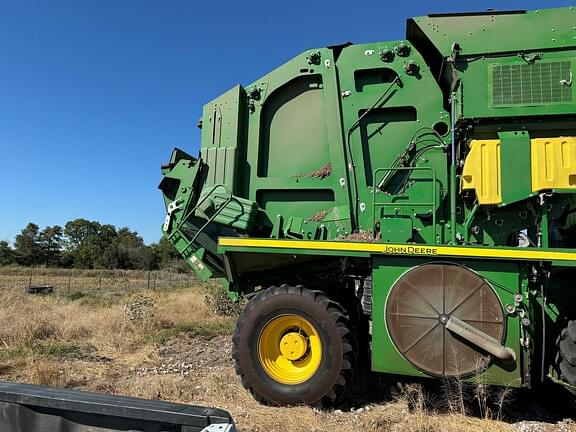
[527, 254]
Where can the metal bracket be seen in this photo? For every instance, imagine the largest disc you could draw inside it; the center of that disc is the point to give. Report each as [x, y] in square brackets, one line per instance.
[172, 207]
[531, 58]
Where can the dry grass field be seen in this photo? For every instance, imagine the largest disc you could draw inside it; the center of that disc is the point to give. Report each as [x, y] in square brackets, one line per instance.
[169, 344]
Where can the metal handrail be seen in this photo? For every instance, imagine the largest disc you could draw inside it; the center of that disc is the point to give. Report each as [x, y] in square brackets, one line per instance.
[432, 204]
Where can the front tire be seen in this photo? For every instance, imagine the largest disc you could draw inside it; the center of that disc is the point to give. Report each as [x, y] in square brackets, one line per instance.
[294, 346]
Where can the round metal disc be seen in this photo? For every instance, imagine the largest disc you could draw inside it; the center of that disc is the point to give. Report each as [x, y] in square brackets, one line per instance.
[421, 302]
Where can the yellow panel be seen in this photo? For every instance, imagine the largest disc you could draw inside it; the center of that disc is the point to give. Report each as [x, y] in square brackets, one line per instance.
[553, 163]
[482, 171]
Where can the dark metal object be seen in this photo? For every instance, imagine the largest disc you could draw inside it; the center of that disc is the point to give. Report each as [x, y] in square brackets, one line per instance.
[402, 49]
[366, 298]
[31, 408]
[411, 68]
[423, 301]
[387, 55]
[39, 289]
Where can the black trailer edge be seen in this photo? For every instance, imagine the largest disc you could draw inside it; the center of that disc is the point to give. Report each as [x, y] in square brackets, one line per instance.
[31, 408]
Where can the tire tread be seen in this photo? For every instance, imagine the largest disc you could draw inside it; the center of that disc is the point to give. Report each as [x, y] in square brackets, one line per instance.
[566, 356]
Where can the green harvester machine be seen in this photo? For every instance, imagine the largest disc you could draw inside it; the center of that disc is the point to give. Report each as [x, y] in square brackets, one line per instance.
[405, 207]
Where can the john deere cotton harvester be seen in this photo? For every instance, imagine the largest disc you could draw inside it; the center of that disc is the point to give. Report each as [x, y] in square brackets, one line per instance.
[407, 207]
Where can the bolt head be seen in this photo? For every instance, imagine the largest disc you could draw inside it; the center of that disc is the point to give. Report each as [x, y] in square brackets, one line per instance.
[402, 49]
[411, 68]
[387, 55]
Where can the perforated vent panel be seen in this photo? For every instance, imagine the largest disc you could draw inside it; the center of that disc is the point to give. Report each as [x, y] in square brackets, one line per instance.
[540, 83]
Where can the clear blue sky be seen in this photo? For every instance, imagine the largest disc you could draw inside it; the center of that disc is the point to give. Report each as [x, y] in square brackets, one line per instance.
[94, 94]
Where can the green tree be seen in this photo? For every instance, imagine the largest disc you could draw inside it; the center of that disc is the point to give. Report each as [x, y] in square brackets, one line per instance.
[78, 230]
[91, 244]
[87, 254]
[27, 247]
[6, 253]
[131, 250]
[51, 241]
[107, 241]
[167, 257]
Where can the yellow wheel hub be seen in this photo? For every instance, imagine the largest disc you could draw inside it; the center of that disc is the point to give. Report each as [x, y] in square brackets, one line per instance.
[289, 349]
[293, 346]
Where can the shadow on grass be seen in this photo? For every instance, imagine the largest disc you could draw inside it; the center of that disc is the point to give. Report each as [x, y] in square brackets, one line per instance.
[550, 404]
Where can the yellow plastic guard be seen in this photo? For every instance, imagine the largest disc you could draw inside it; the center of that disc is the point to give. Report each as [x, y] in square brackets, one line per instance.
[553, 163]
[482, 171]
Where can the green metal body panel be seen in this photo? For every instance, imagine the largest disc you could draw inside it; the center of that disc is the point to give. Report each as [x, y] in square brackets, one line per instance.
[297, 114]
[516, 179]
[377, 138]
[223, 138]
[497, 32]
[346, 162]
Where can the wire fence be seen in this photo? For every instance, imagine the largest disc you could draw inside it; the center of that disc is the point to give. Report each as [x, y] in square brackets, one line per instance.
[66, 281]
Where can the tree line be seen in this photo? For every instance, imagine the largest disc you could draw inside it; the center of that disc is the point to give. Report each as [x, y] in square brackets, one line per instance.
[87, 245]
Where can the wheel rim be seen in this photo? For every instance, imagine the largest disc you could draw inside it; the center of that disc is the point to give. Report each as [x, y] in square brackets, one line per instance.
[289, 349]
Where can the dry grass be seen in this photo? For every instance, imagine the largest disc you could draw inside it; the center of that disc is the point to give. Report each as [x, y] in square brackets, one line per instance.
[86, 340]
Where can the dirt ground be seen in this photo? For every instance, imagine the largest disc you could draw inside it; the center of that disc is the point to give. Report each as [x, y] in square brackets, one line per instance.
[178, 349]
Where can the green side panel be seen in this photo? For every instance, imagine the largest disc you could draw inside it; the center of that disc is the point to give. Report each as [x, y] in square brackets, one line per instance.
[515, 166]
[221, 163]
[388, 125]
[386, 358]
[308, 202]
[492, 32]
[222, 136]
[396, 230]
[293, 126]
[295, 163]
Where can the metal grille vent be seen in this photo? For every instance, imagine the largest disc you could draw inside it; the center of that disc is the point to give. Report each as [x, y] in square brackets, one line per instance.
[540, 83]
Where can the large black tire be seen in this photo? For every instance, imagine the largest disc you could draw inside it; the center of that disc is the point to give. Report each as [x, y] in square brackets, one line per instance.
[334, 330]
[567, 356]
